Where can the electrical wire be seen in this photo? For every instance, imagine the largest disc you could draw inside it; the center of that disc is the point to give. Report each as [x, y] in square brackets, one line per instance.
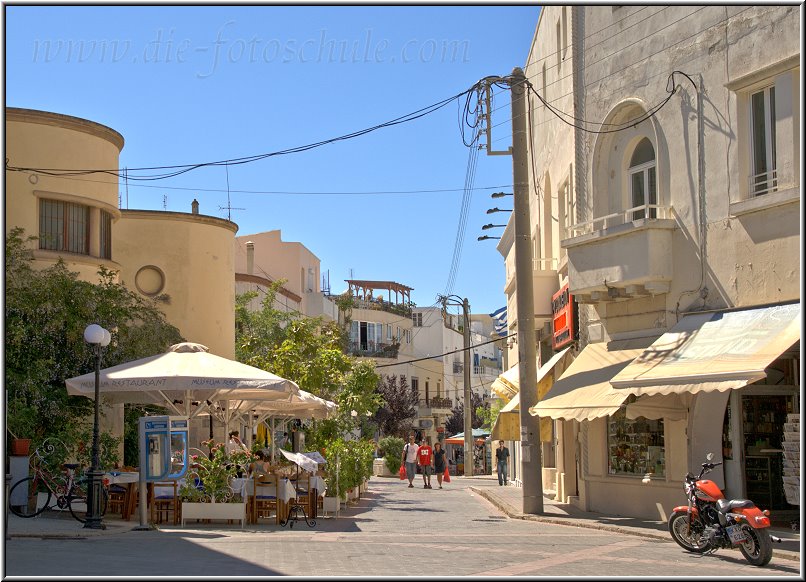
[184, 168]
[446, 353]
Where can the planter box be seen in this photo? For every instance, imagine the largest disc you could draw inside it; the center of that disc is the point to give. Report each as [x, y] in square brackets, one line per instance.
[330, 505]
[192, 510]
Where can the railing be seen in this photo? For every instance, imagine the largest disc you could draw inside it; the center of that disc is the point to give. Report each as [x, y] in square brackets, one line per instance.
[437, 402]
[652, 211]
[381, 305]
[544, 264]
[373, 350]
[764, 183]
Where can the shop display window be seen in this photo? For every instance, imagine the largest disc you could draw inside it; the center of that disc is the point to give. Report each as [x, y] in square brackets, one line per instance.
[635, 447]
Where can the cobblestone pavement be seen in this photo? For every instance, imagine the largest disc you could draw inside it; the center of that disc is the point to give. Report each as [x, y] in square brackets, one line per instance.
[461, 530]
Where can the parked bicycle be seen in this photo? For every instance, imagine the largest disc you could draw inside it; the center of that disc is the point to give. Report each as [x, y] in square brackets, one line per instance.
[67, 489]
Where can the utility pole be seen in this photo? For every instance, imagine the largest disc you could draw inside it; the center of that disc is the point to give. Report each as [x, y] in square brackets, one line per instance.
[468, 405]
[469, 463]
[531, 463]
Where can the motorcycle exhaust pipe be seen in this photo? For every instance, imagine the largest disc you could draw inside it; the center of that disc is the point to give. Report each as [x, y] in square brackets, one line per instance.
[776, 539]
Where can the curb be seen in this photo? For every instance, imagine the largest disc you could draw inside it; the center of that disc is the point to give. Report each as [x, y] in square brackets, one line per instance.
[505, 508]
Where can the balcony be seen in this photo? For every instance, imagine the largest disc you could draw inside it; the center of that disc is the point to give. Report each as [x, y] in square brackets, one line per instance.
[621, 256]
[545, 283]
[373, 350]
[433, 406]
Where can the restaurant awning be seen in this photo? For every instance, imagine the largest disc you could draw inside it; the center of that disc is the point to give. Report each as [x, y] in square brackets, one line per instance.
[712, 351]
[584, 392]
[507, 425]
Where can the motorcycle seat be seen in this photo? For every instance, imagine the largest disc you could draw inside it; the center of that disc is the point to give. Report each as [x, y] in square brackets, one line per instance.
[725, 505]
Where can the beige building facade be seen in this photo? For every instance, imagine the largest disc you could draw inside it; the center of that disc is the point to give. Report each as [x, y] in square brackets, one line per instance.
[669, 219]
[184, 261]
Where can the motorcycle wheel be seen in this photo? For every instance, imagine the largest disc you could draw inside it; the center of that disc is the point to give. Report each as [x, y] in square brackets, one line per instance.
[758, 547]
[690, 539]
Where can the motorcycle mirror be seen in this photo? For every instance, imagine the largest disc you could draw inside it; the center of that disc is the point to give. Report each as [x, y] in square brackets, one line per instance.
[709, 456]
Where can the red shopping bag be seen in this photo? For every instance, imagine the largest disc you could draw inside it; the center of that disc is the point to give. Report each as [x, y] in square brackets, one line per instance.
[446, 476]
[402, 472]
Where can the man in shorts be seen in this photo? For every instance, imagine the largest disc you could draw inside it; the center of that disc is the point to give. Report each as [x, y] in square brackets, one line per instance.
[425, 458]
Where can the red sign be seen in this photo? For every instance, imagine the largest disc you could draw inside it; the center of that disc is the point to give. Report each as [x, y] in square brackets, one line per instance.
[563, 323]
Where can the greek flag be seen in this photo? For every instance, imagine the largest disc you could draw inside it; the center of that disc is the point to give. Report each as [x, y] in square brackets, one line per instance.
[500, 321]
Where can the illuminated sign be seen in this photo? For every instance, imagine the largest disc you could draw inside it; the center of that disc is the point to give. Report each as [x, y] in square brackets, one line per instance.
[563, 323]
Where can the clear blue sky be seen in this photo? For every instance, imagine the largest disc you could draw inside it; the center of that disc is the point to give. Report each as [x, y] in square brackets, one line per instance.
[192, 84]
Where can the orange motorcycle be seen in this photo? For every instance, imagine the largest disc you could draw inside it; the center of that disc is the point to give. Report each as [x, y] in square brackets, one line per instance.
[710, 522]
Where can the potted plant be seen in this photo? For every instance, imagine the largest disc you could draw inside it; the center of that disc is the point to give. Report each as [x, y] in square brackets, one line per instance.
[207, 492]
[21, 423]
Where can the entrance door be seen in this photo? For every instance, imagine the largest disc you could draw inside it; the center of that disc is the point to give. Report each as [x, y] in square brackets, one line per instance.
[763, 418]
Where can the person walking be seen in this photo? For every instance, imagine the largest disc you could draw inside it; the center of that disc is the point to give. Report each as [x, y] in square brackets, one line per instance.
[410, 459]
[439, 462]
[425, 459]
[501, 458]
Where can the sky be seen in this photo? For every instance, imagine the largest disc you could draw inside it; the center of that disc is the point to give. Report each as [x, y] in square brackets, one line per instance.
[204, 83]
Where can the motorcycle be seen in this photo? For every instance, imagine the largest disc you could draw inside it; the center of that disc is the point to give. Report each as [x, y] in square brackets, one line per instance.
[710, 522]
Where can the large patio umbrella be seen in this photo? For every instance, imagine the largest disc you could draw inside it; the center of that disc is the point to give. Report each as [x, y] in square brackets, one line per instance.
[186, 379]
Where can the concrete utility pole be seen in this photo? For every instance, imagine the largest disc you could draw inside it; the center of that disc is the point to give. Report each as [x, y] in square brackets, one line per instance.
[469, 464]
[468, 405]
[531, 463]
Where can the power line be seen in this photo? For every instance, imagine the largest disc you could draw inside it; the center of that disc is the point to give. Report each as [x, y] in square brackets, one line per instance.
[446, 353]
[184, 168]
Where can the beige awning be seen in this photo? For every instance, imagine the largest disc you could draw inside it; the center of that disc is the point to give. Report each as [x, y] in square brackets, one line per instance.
[713, 351]
[584, 392]
[655, 406]
[508, 423]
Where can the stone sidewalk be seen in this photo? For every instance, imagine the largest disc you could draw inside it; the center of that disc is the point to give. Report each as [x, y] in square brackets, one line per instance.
[509, 500]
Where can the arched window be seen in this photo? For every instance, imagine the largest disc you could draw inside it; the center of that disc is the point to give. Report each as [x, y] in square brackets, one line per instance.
[643, 184]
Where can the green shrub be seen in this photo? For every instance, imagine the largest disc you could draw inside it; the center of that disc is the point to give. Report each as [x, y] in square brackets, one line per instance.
[392, 451]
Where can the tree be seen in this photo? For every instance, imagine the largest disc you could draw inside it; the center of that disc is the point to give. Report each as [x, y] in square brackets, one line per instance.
[46, 312]
[396, 416]
[309, 351]
[455, 423]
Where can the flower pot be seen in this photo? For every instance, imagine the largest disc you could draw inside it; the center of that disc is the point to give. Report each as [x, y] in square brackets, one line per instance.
[20, 447]
[194, 510]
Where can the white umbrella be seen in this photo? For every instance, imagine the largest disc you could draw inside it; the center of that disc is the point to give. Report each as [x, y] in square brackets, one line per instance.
[184, 374]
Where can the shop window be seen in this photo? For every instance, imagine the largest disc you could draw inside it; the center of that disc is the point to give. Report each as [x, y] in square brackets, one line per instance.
[64, 226]
[635, 447]
[643, 183]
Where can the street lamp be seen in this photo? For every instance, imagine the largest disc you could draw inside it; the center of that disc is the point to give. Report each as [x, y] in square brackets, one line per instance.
[486, 237]
[99, 338]
[489, 226]
[500, 194]
[457, 301]
[496, 209]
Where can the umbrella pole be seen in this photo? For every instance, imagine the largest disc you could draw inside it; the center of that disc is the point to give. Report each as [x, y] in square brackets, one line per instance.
[273, 441]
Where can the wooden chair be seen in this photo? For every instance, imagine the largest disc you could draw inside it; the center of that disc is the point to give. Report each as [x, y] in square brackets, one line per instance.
[303, 487]
[165, 502]
[263, 503]
[117, 499]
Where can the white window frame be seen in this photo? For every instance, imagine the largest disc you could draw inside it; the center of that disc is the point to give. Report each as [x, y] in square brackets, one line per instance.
[770, 184]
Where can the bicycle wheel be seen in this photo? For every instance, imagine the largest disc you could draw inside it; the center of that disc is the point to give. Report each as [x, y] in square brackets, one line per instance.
[77, 500]
[26, 497]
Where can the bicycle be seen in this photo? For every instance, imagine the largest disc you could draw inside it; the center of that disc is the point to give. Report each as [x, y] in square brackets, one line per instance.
[39, 488]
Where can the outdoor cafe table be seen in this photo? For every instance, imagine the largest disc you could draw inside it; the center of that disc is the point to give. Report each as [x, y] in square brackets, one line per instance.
[130, 479]
[244, 487]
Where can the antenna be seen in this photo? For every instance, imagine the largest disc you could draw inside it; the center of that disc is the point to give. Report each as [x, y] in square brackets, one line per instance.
[165, 202]
[229, 208]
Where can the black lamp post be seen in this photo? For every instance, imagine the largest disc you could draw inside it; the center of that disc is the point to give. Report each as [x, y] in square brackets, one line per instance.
[99, 338]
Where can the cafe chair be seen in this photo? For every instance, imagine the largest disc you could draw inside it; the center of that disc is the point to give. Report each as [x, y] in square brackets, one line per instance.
[264, 497]
[165, 502]
[117, 499]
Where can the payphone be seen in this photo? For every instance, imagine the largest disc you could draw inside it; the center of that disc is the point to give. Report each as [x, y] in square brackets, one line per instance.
[163, 452]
